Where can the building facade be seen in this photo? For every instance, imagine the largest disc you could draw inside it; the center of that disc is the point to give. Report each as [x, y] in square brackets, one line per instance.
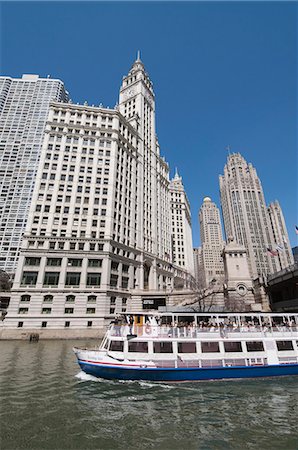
[245, 215]
[280, 235]
[212, 242]
[24, 107]
[98, 238]
[182, 249]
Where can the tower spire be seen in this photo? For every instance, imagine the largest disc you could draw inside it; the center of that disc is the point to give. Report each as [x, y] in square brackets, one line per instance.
[138, 55]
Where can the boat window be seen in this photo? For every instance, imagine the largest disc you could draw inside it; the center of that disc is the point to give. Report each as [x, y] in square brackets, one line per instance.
[185, 320]
[284, 345]
[166, 320]
[116, 346]
[232, 346]
[187, 347]
[255, 346]
[141, 347]
[210, 347]
[162, 347]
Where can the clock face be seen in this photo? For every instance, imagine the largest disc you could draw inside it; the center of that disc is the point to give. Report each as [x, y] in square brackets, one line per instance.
[129, 93]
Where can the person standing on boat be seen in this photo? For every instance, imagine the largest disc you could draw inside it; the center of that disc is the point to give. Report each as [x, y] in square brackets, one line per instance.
[131, 321]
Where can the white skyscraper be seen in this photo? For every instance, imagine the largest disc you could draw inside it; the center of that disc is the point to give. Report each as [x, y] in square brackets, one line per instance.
[211, 241]
[245, 214]
[280, 234]
[24, 107]
[181, 225]
[98, 237]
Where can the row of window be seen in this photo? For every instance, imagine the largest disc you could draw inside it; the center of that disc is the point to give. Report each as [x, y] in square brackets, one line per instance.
[190, 347]
[52, 278]
[24, 310]
[66, 324]
[48, 298]
[73, 262]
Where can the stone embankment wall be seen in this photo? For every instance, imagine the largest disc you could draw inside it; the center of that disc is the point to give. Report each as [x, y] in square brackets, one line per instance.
[47, 333]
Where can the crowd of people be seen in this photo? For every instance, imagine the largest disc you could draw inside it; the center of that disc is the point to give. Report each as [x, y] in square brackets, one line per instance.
[125, 324]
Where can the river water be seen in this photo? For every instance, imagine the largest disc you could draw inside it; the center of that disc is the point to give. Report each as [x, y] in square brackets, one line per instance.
[47, 403]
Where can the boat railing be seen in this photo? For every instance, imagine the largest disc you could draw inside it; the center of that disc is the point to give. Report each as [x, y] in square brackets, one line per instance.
[211, 363]
[193, 332]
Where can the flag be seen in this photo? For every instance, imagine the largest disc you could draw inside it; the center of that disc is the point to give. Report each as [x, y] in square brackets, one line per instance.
[279, 248]
[296, 229]
[272, 252]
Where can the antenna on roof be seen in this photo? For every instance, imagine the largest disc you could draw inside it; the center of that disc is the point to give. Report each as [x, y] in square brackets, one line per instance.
[138, 55]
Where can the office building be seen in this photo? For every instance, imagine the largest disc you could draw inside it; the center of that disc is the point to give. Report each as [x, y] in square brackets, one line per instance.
[212, 242]
[280, 235]
[182, 249]
[98, 241]
[245, 215]
[24, 107]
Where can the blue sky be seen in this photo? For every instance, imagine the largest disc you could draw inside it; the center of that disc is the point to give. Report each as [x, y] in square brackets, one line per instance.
[224, 74]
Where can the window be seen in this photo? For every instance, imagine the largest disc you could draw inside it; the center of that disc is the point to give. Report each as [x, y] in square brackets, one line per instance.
[73, 262]
[90, 311]
[31, 261]
[94, 262]
[25, 298]
[51, 278]
[114, 280]
[54, 262]
[91, 299]
[162, 347]
[23, 310]
[46, 310]
[284, 345]
[44, 324]
[72, 279]
[29, 278]
[20, 324]
[116, 346]
[70, 298]
[187, 347]
[67, 324]
[68, 311]
[232, 347]
[89, 323]
[48, 298]
[93, 279]
[141, 347]
[255, 346]
[210, 347]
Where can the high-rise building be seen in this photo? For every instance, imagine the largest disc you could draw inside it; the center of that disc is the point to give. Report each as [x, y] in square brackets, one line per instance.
[98, 240]
[181, 225]
[245, 214]
[280, 235]
[211, 241]
[24, 107]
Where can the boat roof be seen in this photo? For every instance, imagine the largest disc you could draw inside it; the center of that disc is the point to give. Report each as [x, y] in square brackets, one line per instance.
[210, 314]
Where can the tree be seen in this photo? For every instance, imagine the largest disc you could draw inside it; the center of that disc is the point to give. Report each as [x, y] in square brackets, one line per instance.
[5, 281]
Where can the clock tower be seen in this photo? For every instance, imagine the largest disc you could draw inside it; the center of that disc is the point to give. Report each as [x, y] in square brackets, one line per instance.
[137, 105]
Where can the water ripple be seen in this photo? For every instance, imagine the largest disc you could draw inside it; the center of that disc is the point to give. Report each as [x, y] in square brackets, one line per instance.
[47, 403]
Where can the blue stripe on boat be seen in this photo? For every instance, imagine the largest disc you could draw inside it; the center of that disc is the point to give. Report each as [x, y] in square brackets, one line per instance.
[186, 374]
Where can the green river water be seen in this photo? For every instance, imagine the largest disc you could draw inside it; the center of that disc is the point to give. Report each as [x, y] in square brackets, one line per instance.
[47, 403]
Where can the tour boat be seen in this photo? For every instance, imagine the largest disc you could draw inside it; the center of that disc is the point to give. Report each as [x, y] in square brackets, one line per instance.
[176, 347]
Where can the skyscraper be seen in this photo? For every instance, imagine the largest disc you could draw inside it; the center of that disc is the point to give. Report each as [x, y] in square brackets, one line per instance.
[280, 234]
[24, 107]
[245, 214]
[211, 241]
[98, 238]
[181, 225]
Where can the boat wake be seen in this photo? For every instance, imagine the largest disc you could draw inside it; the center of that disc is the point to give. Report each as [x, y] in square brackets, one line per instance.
[82, 376]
